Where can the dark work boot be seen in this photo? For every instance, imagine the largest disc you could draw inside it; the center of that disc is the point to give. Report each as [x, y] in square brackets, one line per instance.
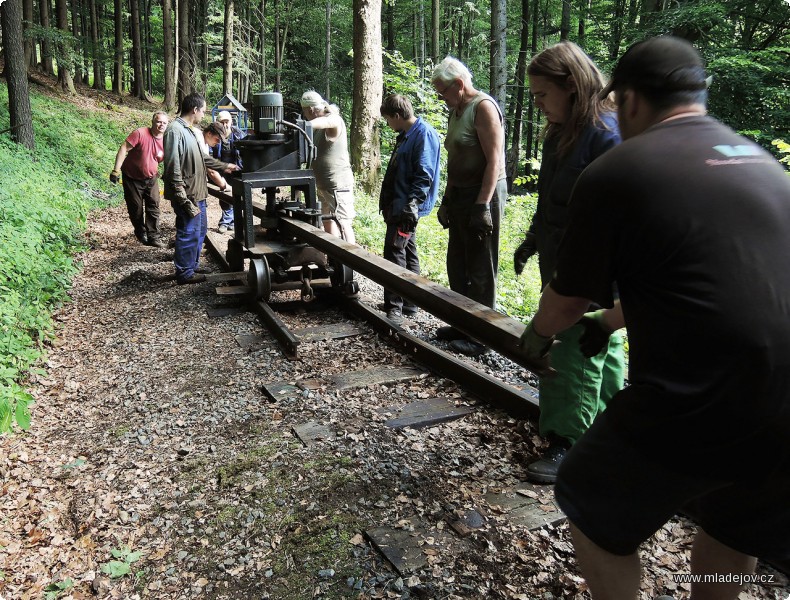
[545, 469]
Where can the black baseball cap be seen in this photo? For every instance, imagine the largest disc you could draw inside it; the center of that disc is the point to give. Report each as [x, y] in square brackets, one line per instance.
[663, 64]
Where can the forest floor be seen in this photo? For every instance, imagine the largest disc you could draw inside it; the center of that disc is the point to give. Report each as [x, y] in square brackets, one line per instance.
[157, 468]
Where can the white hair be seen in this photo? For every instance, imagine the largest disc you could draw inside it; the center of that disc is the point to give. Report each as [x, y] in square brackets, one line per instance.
[451, 69]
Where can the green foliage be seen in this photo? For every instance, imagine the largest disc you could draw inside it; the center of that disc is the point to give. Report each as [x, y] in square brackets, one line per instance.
[55, 589]
[122, 565]
[784, 152]
[43, 204]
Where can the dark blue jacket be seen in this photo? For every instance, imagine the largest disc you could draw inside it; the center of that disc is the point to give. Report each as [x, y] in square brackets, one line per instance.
[415, 161]
[226, 151]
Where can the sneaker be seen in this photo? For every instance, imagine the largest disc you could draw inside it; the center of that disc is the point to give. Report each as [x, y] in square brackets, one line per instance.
[545, 469]
[468, 347]
[395, 315]
[156, 242]
[449, 334]
[224, 228]
[204, 270]
[196, 278]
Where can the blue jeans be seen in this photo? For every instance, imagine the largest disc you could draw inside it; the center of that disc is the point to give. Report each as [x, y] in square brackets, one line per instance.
[227, 214]
[190, 233]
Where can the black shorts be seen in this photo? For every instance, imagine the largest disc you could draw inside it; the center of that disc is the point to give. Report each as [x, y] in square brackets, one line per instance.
[618, 497]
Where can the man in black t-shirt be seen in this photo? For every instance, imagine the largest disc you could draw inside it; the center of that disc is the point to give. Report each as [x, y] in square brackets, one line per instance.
[692, 222]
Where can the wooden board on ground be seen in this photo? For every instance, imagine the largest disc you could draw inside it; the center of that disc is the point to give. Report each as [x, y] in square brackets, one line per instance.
[532, 506]
[246, 340]
[423, 413]
[404, 549]
[312, 432]
[376, 375]
[233, 290]
[333, 331]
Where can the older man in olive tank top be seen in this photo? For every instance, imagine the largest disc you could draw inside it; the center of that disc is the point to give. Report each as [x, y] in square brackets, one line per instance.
[476, 191]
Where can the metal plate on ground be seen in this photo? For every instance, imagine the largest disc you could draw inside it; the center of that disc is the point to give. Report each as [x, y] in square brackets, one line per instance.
[281, 390]
[402, 548]
[334, 331]
[532, 506]
[312, 432]
[247, 341]
[225, 311]
[376, 375]
[423, 413]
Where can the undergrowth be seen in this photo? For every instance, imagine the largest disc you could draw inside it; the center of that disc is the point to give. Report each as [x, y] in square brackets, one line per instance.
[45, 197]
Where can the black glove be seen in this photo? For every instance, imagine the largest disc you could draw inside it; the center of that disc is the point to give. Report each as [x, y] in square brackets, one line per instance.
[480, 221]
[115, 176]
[401, 238]
[522, 254]
[595, 336]
[442, 215]
[535, 346]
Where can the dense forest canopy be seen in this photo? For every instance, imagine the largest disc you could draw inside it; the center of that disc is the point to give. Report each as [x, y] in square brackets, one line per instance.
[161, 49]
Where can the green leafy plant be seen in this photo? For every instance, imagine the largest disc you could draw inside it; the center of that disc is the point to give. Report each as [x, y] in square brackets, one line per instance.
[784, 152]
[122, 565]
[54, 590]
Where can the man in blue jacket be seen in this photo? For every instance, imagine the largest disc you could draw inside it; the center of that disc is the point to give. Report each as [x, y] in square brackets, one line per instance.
[408, 192]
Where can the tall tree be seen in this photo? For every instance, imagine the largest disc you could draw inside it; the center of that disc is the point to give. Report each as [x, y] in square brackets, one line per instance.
[138, 85]
[44, 9]
[98, 82]
[169, 59]
[368, 83]
[328, 54]
[64, 48]
[435, 27]
[185, 59]
[498, 58]
[117, 77]
[227, 49]
[27, 21]
[565, 20]
[514, 154]
[76, 31]
[21, 116]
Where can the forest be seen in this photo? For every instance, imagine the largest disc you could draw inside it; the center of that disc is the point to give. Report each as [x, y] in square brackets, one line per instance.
[352, 51]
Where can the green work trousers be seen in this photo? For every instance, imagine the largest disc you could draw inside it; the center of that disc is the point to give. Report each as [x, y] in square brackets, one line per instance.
[583, 386]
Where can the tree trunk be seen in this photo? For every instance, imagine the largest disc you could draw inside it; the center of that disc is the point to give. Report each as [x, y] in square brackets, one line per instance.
[328, 55]
[27, 16]
[435, 24]
[169, 59]
[44, 8]
[86, 58]
[498, 72]
[147, 41]
[184, 57]
[64, 49]
[565, 20]
[585, 9]
[422, 39]
[227, 49]
[263, 44]
[21, 116]
[368, 83]
[138, 85]
[389, 16]
[277, 57]
[514, 154]
[117, 77]
[616, 35]
[76, 10]
[98, 83]
[531, 137]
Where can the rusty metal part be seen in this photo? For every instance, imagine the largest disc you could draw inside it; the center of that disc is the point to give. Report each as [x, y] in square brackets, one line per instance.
[493, 329]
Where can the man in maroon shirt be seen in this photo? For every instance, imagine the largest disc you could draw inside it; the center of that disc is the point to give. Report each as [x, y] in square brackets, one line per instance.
[138, 159]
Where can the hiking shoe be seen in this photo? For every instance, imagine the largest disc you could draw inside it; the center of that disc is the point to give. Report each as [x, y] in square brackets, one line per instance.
[468, 347]
[395, 315]
[224, 228]
[204, 270]
[449, 334]
[156, 242]
[142, 238]
[196, 278]
[545, 469]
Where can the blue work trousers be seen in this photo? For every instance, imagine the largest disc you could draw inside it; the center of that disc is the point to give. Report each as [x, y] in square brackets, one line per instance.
[190, 233]
[227, 214]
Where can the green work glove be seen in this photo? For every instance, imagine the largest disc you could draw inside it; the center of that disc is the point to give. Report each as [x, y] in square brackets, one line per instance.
[189, 207]
[480, 221]
[115, 176]
[523, 253]
[595, 337]
[535, 346]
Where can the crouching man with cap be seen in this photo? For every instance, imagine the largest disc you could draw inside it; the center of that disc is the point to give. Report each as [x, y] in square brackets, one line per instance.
[687, 218]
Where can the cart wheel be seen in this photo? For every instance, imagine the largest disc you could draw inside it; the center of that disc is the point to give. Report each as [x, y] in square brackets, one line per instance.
[341, 275]
[259, 278]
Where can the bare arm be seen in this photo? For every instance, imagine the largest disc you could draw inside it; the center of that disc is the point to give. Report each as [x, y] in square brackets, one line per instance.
[557, 313]
[121, 155]
[332, 124]
[491, 136]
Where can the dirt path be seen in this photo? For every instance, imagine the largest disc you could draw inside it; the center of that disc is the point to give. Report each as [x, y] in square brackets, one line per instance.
[156, 468]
